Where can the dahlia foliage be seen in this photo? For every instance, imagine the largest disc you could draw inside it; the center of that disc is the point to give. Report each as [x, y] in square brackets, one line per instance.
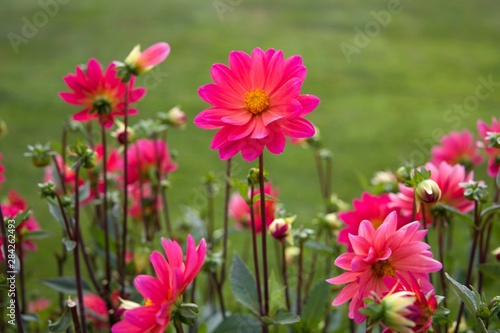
[413, 252]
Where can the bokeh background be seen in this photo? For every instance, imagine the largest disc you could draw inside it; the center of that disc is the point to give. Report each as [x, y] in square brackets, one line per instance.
[392, 77]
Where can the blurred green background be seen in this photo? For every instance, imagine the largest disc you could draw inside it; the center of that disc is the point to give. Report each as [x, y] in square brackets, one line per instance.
[388, 81]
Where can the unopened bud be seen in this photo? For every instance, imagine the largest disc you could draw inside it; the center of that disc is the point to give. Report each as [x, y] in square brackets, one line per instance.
[40, 154]
[47, 190]
[427, 192]
[281, 228]
[175, 117]
[121, 135]
[396, 309]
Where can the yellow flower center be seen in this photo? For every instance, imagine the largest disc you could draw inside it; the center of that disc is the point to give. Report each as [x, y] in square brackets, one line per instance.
[148, 302]
[383, 268]
[377, 223]
[256, 101]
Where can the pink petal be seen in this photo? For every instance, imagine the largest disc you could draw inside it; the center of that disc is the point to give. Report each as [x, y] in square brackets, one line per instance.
[154, 54]
[297, 128]
[309, 103]
[161, 268]
[238, 118]
[346, 294]
[174, 253]
[257, 74]
[84, 115]
[94, 73]
[150, 287]
[143, 317]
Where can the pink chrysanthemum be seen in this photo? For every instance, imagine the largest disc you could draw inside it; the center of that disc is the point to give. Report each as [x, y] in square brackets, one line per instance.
[144, 157]
[457, 148]
[386, 251]
[14, 205]
[256, 102]
[425, 302]
[493, 153]
[101, 93]
[240, 211]
[370, 207]
[96, 311]
[448, 178]
[162, 292]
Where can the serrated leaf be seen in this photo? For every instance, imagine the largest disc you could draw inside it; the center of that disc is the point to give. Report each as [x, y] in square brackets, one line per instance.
[465, 294]
[239, 323]
[282, 317]
[66, 285]
[277, 298]
[242, 188]
[69, 244]
[314, 308]
[62, 324]
[243, 285]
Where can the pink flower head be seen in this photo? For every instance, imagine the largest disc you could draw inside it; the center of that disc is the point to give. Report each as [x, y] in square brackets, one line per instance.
[141, 62]
[448, 178]
[256, 102]
[174, 274]
[2, 168]
[14, 205]
[425, 302]
[370, 207]
[102, 94]
[492, 152]
[377, 253]
[38, 305]
[145, 156]
[457, 148]
[96, 311]
[240, 211]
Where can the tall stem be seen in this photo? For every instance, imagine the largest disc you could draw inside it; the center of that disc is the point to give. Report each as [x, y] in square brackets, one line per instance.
[470, 267]
[76, 252]
[299, 273]
[255, 252]
[264, 233]
[284, 274]
[107, 262]
[123, 270]
[9, 273]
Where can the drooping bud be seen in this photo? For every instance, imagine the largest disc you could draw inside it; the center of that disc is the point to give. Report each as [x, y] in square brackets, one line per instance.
[427, 192]
[281, 228]
[120, 133]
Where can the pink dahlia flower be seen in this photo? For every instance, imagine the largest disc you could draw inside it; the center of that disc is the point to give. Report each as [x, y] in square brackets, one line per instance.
[96, 310]
[101, 93]
[373, 208]
[421, 311]
[38, 305]
[448, 178]
[14, 205]
[492, 152]
[174, 274]
[377, 253]
[256, 102]
[457, 148]
[240, 211]
[145, 156]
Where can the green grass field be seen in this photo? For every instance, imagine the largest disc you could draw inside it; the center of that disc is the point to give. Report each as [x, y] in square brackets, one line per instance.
[387, 102]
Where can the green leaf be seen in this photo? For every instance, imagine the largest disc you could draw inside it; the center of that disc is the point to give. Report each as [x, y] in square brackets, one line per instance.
[320, 247]
[69, 244]
[277, 298]
[490, 209]
[243, 285]
[239, 323]
[56, 212]
[480, 328]
[66, 285]
[37, 234]
[30, 317]
[62, 324]
[313, 310]
[455, 211]
[242, 188]
[465, 294]
[282, 317]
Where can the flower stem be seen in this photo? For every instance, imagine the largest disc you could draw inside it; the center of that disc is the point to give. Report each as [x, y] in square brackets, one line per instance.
[17, 312]
[123, 270]
[299, 273]
[178, 326]
[470, 267]
[264, 233]
[71, 306]
[284, 274]
[255, 252]
[76, 254]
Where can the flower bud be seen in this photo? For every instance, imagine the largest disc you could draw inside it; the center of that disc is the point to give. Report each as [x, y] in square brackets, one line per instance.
[140, 62]
[174, 117]
[40, 154]
[396, 309]
[427, 192]
[281, 228]
[496, 253]
[120, 134]
[47, 190]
